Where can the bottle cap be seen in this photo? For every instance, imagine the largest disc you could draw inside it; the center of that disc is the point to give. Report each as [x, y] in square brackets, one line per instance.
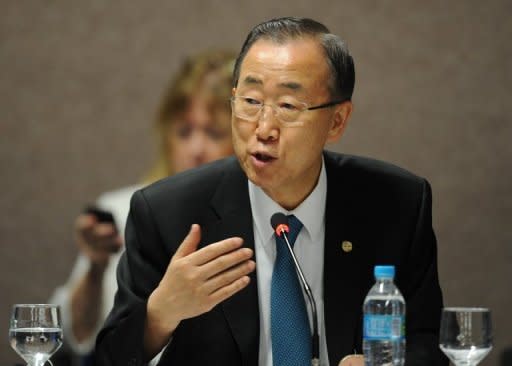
[384, 271]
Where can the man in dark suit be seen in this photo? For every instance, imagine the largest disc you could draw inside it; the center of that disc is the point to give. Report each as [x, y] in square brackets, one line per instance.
[188, 288]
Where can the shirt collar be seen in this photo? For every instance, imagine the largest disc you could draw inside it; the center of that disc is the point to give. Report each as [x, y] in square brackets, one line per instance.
[263, 207]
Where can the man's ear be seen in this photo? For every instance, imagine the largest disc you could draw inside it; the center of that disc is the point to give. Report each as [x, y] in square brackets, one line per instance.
[233, 91]
[339, 120]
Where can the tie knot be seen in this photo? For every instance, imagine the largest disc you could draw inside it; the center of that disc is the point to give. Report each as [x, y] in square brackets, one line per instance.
[295, 226]
[294, 223]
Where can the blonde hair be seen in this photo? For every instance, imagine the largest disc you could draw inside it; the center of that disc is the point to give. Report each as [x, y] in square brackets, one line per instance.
[208, 73]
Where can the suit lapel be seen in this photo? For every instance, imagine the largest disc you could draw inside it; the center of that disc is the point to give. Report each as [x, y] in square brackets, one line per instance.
[344, 286]
[232, 205]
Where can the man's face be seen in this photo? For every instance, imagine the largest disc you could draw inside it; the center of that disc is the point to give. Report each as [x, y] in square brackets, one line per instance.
[285, 161]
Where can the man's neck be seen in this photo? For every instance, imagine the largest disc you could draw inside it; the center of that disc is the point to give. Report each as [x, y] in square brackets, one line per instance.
[291, 196]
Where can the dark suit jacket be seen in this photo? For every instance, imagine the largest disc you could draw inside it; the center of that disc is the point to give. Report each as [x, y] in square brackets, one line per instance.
[383, 210]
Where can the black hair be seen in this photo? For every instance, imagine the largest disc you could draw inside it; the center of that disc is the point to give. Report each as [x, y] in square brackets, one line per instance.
[282, 30]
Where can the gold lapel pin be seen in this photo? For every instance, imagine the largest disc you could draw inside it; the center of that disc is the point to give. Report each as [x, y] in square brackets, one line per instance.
[346, 246]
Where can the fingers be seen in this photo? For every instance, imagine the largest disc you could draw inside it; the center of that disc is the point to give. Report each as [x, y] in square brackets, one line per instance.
[225, 262]
[215, 250]
[229, 276]
[98, 237]
[103, 237]
[190, 243]
[227, 291]
[87, 225]
[188, 248]
[84, 222]
[222, 277]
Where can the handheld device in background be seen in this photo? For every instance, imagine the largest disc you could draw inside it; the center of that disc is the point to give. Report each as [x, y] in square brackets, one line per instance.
[101, 215]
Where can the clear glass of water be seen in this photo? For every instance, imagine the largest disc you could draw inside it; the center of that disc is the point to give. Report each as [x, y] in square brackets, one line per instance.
[466, 335]
[35, 332]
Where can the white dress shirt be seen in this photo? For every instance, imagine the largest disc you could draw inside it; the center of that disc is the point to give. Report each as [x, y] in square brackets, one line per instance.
[308, 248]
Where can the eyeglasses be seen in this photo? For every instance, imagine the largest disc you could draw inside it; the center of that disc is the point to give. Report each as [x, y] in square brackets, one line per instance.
[288, 113]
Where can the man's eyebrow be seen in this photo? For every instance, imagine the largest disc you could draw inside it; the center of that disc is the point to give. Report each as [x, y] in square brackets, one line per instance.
[252, 80]
[292, 85]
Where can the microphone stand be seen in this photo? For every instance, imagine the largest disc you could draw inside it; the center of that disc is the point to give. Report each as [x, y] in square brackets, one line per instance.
[315, 360]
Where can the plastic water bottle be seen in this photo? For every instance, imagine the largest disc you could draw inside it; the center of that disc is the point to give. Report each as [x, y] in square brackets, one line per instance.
[384, 321]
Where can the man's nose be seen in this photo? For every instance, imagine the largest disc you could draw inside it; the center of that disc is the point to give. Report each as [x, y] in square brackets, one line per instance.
[268, 125]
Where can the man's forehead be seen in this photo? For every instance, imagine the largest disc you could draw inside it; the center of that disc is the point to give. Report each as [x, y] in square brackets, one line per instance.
[289, 65]
[284, 49]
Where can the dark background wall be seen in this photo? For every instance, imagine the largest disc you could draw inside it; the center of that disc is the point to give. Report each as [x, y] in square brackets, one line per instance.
[79, 83]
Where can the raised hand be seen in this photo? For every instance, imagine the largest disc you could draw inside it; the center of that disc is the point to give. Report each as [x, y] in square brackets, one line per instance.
[195, 282]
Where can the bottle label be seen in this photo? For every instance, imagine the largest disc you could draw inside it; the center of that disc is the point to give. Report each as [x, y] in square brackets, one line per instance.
[383, 327]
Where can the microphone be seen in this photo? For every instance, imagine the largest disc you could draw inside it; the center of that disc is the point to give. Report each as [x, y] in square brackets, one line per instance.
[279, 223]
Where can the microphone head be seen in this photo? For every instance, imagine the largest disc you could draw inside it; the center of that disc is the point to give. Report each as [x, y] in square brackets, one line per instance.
[279, 223]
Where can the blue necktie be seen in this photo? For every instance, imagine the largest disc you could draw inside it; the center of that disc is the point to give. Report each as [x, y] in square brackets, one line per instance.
[289, 323]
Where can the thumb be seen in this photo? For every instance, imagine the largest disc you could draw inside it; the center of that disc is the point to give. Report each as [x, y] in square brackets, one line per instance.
[190, 243]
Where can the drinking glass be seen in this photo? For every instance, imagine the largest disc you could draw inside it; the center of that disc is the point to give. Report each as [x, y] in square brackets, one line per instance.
[35, 332]
[466, 335]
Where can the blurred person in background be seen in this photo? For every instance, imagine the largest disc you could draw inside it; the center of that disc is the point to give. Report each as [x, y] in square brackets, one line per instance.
[193, 128]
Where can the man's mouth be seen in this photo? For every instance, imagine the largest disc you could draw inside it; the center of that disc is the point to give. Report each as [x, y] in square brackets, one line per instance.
[265, 158]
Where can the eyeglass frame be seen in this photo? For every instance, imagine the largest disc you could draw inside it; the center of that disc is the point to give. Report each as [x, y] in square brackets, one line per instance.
[295, 123]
